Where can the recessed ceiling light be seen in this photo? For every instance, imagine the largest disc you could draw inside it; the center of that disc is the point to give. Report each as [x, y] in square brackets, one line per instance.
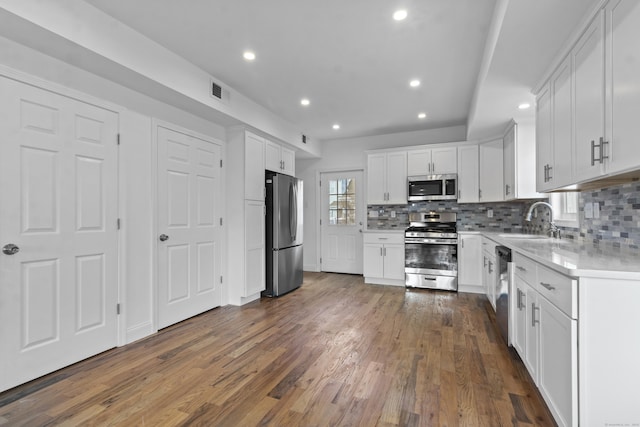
[399, 15]
[524, 106]
[336, 126]
[249, 56]
[305, 102]
[414, 83]
[422, 115]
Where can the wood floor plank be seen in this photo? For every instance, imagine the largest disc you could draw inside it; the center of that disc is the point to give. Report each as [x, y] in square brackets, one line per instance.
[336, 352]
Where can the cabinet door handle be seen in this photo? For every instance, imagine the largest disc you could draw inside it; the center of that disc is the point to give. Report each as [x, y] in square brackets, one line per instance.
[381, 252]
[490, 267]
[548, 286]
[521, 268]
[459, 194]
[519, 299]
[384, 251]
[533, 314]
[506, 189]
[549, 176]
[602, 144]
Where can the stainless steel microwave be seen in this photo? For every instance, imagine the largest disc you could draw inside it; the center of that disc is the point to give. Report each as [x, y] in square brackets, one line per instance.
[432, 187]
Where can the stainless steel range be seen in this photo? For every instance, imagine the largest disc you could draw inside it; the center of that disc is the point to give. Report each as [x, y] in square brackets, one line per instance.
[431, 251]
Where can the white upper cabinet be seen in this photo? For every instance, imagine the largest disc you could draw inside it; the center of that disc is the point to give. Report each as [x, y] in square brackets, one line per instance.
[559, 172]
[254, 154]
[554, 131]
[588, 102]
[544, 147]
[279, 158]
[622, 88]
[594, 97]
[491, 171]
[468, 174]
[387, 178]
[432, 161]
[519, 168]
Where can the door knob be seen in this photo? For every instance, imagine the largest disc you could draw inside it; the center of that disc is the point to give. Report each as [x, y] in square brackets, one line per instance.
[163, 237]
[10, 249]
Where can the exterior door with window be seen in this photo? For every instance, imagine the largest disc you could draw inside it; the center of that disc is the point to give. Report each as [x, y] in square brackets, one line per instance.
[342, 221]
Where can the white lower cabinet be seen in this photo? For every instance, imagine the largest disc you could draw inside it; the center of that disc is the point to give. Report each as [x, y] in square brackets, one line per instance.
[546, 336]
[532, 319]
[519, 317]
[470, 263]
[383, 258]
[558, 367]
[254, 265]
[489, 270]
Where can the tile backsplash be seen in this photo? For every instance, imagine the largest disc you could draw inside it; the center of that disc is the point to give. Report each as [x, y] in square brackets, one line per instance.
[619, 222]
[618, 226]
[506, 217]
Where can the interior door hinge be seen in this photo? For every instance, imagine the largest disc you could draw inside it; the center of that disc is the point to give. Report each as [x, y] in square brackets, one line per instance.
[118, 139]
[320, 183]
[118, 223]
[221, 221]
[221, 279]
[118, 308]
[220, 162]
[320, 260]
[320, 222]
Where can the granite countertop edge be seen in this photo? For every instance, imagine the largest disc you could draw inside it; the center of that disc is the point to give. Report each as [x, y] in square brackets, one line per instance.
[572, 258]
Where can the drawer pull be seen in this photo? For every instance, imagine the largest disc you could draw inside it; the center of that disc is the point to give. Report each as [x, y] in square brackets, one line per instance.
[548, 286]
[521, 268]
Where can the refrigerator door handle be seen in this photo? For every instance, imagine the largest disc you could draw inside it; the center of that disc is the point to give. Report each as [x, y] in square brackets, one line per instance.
[293, 220]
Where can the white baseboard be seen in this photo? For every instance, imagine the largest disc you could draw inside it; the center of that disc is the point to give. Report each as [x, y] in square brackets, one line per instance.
[471, 289]
[139, 331]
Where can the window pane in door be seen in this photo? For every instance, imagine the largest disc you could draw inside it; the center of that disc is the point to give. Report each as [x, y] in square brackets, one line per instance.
[342, 202]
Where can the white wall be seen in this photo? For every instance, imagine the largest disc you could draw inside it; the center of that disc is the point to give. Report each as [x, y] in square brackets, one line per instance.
[344, 154]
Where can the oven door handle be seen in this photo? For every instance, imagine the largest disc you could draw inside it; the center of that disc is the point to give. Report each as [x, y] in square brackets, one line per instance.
[432, 241]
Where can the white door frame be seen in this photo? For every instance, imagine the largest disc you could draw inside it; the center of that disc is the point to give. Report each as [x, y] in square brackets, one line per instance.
[155, 123]
[319, 173]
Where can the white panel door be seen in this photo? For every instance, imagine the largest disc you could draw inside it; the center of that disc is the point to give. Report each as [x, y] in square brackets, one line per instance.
[58, 189]
[342, 221]
[189, 237]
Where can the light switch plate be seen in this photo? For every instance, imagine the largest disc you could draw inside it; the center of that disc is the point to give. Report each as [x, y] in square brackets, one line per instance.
[489, 213]
[596, 210]
[588, 210]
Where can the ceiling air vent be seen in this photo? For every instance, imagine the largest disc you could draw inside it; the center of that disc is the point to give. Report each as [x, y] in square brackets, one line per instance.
[216, 90]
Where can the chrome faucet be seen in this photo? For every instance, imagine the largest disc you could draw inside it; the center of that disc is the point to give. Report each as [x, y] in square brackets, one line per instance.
[554, 231]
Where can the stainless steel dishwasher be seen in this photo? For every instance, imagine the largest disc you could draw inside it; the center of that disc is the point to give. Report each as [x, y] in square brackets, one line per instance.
[503, 282]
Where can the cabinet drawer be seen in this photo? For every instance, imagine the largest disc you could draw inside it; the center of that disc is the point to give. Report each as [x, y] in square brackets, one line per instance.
[559, 289]
[382, 238]
[526, 269]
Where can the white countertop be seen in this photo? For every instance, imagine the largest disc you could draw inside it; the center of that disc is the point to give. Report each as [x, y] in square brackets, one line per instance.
[397, 231]
[572, 258]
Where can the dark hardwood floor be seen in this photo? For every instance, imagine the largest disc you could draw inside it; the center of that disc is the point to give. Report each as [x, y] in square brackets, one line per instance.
[335, 352]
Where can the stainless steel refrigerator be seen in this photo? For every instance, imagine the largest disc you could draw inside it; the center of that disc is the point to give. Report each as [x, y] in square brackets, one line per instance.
[283, 234]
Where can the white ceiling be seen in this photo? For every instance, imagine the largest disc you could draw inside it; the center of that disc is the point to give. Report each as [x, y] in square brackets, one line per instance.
[354, 62]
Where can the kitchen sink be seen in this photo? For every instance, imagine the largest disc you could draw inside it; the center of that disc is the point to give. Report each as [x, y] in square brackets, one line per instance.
[524, 236]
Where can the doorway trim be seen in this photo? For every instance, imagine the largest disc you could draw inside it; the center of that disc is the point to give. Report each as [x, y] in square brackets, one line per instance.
[318, 229]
